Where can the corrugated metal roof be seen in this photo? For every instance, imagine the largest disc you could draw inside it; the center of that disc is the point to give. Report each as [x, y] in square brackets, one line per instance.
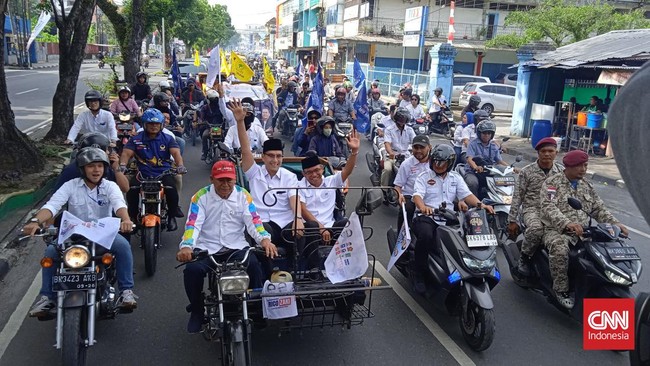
[369, 38]
[613, 46]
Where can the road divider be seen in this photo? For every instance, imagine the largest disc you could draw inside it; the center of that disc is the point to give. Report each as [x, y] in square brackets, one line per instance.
[30, 130]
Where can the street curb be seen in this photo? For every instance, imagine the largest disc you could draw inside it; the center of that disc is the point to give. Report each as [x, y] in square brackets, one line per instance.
[37, 67]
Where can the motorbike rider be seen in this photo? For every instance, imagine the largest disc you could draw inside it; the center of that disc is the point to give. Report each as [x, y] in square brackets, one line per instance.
[212, 115]
[349, 96]
[124, 103]
[487, 149]
[415, 108]
[141, 90]
[396, 140]
[303, 97]
[153, 151]
[437, 104]
[286, 99]
[305, 134]
[191, 96]
[255, 133]
[89, 197]
[525, 200]
[433, 187]
[405, 97]
[463, 134]
[226, 203]
[341, 109]
[406, 174]
[324, 143]
[389, 120]
[162, 102]
[562, 224]
[375, 104]
[472, 105]
[94, 119]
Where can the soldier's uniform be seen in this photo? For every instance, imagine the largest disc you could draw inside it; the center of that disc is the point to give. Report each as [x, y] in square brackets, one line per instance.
[526, 200]
[556, 214]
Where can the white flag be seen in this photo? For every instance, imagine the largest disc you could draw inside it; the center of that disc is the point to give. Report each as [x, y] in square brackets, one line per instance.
[402, 243]
[214, 67]
[102, 231]
[42, 21]
[348, 258]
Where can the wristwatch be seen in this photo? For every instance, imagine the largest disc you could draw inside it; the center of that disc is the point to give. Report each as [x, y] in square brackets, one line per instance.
[36, 220]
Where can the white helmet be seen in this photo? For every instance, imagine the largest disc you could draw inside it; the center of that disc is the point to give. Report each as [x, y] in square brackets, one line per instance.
[212, 94]
[164, 84]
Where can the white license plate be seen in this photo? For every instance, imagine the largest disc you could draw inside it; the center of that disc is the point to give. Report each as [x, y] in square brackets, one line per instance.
[477, 241]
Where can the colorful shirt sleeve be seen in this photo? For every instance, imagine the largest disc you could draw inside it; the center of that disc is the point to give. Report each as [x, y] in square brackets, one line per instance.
[253, 222]
[195, 219]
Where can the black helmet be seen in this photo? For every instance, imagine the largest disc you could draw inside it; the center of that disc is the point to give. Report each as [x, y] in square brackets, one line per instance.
[90, 155]
[474, 101]
[480, 116]
[93, 95]
[438, 90]
[159, 98]
[292, 84]
[402, 115]
[442, 153]
[95, 139]
[486, 126]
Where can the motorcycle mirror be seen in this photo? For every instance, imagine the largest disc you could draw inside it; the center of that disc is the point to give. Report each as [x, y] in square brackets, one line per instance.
[505, 139]
[370, 200]
[380, 125]
[224, 147]
[575, 203]
[519, 158]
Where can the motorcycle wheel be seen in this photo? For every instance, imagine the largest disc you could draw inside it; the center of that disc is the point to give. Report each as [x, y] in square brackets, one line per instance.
[236, 347]
[640, 356]
[150, 244]
[73, 350]
[370, 160]
[477, 325]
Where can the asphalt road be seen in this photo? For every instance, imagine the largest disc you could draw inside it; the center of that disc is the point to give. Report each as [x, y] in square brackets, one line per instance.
[529, 330]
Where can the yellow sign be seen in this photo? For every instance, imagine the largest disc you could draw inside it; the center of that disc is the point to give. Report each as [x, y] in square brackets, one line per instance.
[239, 68]
[197, 59]
[268, 77]
[225, 68]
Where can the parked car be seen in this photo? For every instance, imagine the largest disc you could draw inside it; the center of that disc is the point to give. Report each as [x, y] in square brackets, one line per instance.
[494, 97]
[508, 79]
[459, 83]
[186, 68]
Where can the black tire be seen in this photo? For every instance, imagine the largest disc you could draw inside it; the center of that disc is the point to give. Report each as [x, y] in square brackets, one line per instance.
[150, 237]
[73, 350]
[372, 163]
[640, 356]
[236, 347]
[489, 108]
[477, 326]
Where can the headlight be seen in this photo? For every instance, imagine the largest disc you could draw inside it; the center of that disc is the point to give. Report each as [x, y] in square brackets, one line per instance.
[478, 265]
[234, 282]
[617, 279]
[507, 199]
[76, 256]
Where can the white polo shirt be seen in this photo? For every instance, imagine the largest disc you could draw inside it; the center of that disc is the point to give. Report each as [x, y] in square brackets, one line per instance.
[214, 223]
[86, 122]
[256, 137]
[408, 172]
[85, 203]
[399, 139]
[434, 190]
[260, 181]
[321, 202]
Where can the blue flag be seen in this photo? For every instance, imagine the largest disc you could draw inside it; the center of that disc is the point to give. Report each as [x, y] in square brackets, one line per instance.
[317, 92]
[358, 75]
[176, 75]
[362, 123]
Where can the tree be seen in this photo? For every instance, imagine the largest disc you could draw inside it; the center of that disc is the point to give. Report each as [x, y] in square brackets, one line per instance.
[73, 32]
[563, 22]
[204, 26]
[17, 150]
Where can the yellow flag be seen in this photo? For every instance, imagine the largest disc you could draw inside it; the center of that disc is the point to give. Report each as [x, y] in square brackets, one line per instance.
[238, 67]
[268, 77]
[225, 68]
[197, 59]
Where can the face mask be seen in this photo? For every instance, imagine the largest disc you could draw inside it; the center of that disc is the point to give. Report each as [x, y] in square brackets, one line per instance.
[249, 118]
[327, 132]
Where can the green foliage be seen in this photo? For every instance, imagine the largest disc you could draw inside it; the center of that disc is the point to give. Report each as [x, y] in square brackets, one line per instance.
[204, 25]
[563, 22]
[105, 85]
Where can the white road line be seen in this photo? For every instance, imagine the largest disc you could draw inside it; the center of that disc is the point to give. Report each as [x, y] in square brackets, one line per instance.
[456, 352]
[27, 91]
[31, 130]
[18, 316]
[638, 232]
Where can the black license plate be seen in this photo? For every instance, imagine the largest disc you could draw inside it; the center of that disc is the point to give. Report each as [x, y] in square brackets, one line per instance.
[504, 181]
[623, 253]
[74, 281]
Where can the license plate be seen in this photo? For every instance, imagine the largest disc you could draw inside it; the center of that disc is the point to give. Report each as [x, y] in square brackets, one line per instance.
[477, 241]
[504, 181]
[74, 281]
[623, 253]
[124, 127]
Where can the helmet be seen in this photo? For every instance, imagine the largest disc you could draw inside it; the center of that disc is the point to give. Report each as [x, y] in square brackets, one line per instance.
[474, 100]
[292, 84]
[90, 155]
[164, 85]
[402, 115]
[92, 95]
[312, 112]
[341, 90]
[438, 90]
[152, 115]
[95, 139]
[124, 88]
[486, 126]
[442, 153]
[347, 84]
[212, 94]
[480, 116]
[141, 73]
[375, 91]
[159, 98]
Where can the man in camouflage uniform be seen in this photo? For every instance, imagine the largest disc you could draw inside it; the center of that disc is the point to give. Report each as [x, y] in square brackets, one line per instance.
[562, 224]
[525, 200]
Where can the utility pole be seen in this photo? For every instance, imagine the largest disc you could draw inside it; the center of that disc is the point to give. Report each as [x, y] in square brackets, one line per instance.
[164, 55]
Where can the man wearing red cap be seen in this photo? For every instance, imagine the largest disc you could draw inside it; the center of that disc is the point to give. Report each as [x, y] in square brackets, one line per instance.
[219, 213]
[562, 224]
[525, 200]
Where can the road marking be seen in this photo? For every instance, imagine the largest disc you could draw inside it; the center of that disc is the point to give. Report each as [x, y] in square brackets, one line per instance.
[27, 91]
[456, 352]
[638, 232]
[18, 316]
[40, 125]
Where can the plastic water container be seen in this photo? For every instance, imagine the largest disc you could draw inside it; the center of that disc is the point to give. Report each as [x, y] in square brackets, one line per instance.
[594, 120]
[541, 128]
[582, 119]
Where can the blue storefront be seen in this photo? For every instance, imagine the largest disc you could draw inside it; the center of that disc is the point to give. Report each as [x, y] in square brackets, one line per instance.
[9, 45]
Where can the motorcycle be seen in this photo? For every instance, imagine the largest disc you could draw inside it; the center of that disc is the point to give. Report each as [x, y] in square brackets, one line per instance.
[216, 148]
[190, 122]
[152, 217]
[125, 123]
[101, 64]
[290, 122]
[419, 126]
[462, 273]
[640, 356]
[601, 265]
[375, 119]
[342, 130]
[375, 158]
[444, 125]
[84, 284]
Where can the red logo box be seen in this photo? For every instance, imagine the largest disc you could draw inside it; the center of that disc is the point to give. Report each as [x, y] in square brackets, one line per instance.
[608, 324]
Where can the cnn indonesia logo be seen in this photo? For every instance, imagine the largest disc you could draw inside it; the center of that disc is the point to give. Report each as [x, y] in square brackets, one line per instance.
[608, 324]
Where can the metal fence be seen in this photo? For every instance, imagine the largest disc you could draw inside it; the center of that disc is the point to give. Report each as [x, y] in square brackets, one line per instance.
[392, 80]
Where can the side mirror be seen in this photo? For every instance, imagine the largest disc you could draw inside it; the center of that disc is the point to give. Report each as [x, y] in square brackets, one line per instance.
[575, 203]
[370, 200]
[381, 125]
[519, 158]
[166, 72]
[505, 139]
[224, 147]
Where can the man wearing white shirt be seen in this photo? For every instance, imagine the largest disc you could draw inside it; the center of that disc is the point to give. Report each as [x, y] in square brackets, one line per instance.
[94, 119]
[406, 174]
[219, 213]
[255, 132]
[279, 209]
[396, 140]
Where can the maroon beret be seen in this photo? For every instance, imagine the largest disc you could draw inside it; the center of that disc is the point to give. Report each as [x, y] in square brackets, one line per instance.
[545, 141]
[575, 158]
